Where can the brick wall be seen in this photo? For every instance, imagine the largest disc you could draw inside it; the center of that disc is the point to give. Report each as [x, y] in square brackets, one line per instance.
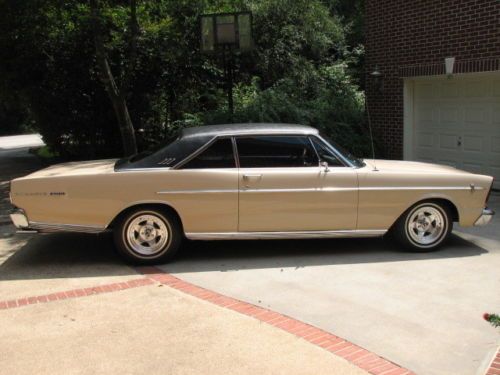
[413, 37]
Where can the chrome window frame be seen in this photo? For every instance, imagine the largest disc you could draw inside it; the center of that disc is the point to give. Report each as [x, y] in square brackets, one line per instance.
[236, 155]
[337, 154]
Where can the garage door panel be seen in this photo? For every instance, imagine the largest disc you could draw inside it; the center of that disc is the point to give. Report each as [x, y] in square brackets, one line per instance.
[495, 145]
[476, 117]
[448, 141]
[426, 118]
[495, 88]
[473, 143]
[476, 89]
[495, 118]
[475, 168]
[450, 89]
[457, 122]
[425, 139]
[449, 117]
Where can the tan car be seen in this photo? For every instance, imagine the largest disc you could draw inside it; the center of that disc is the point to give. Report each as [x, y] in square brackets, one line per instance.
[249, 181]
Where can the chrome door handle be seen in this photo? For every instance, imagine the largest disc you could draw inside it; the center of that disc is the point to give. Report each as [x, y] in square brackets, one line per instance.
[250, 176]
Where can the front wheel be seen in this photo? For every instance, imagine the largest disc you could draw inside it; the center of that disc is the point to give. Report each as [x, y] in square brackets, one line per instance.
[148, 236]
[424, 226]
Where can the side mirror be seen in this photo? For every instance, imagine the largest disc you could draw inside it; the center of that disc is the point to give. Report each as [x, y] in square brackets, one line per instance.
[324, 164]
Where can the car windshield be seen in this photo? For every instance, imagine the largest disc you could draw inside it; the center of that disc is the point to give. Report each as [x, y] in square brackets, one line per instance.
[358, 163]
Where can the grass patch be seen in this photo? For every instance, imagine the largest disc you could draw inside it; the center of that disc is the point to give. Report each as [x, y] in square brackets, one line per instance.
[45, 152]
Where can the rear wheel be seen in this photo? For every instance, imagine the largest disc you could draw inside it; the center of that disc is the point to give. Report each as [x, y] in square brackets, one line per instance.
[424, 226]
[148, 236]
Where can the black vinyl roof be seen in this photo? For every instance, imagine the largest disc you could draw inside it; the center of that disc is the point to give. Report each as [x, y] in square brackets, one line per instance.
[192, 139]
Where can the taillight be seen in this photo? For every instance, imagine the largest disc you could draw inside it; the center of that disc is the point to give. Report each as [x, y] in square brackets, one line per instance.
[489, 192]
[9, 187]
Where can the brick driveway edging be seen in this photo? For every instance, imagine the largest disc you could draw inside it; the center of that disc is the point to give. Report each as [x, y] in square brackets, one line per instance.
[354, 354]
[494, 367]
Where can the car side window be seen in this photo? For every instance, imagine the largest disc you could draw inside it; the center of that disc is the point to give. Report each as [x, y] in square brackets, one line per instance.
[276, 151]
[325, 154]
[217, 155]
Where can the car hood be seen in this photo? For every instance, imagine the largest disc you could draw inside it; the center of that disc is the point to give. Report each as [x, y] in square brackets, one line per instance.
[410, 166]
[91, 167]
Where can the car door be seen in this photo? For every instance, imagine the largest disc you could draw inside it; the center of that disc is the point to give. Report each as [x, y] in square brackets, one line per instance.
[204, 189]
[284, 189]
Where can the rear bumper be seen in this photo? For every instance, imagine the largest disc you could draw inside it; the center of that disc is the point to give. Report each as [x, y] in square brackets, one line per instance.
[485, 217]
[21, 222]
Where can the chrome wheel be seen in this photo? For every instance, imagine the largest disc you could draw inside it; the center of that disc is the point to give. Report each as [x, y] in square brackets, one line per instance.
[147, 234]
[426, 225]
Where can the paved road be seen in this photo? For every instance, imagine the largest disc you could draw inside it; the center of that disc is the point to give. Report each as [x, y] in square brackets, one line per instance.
[422, 311]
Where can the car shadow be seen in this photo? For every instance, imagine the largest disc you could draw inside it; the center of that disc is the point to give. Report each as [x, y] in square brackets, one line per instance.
[198, 256]
[60, 255]
[72, 255]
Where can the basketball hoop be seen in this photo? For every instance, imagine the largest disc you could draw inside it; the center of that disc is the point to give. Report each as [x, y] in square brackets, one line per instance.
[225, 34]
[231, 31]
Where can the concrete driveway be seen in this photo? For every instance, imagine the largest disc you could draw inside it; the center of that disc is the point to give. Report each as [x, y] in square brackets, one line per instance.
[422, 311]
[69, 305]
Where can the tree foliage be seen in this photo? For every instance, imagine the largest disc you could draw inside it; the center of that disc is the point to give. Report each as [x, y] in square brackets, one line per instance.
[302, 70]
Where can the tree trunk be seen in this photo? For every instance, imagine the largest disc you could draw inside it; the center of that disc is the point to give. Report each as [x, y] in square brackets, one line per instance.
[116, 95]
[126, 128]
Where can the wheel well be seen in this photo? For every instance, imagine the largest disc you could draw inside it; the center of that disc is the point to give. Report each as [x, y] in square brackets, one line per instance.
[445, 202]
[160, 206]
[453, 209]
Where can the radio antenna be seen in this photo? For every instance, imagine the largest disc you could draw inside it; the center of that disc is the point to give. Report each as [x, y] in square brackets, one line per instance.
[371, 134]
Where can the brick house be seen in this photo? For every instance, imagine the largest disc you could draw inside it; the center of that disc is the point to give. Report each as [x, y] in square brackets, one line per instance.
[417, 110]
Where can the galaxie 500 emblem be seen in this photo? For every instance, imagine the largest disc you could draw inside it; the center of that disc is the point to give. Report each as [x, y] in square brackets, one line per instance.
[42, 193]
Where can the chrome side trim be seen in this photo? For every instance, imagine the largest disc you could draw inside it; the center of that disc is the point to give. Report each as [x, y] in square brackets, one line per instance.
[319, 190]
[286, 235]
[152, 169]
[374, 188]
[54, 227]
[485, 217]
[199, 191]
[328, 189]
[300, 190]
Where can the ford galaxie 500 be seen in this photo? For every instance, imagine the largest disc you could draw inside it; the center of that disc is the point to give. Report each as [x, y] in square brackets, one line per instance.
[249, 181]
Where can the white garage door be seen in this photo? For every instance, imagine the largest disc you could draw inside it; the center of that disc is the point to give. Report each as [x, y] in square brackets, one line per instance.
[457, 122]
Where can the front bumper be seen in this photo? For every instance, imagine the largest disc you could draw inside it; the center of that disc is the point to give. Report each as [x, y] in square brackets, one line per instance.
[485, 217]
[19, 219]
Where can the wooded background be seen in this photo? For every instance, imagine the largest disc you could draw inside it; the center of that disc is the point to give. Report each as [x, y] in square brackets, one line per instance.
[307, 68]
